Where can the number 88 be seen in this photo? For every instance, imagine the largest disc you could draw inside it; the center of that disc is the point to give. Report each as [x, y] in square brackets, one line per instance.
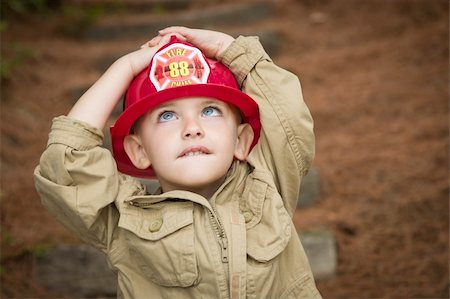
[178, 69]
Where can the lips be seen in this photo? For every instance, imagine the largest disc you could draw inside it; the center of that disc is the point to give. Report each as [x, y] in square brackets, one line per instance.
[194, 151]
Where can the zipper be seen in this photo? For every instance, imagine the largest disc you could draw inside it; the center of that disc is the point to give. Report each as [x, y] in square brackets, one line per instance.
[215, 221]
[220, 234]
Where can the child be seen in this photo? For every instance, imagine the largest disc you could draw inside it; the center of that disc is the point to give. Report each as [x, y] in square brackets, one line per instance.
[220, 226]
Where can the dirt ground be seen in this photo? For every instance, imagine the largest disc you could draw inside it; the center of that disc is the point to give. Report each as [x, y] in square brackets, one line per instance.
[375, 76]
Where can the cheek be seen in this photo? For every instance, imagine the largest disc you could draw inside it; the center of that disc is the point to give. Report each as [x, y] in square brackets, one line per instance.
[226, 136]
[152, 142]
[162, 141]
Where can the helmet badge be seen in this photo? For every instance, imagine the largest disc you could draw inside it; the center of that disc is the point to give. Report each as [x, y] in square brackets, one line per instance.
[178, 65]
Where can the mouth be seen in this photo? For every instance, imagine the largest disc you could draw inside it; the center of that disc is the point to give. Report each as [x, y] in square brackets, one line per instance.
[194, 151]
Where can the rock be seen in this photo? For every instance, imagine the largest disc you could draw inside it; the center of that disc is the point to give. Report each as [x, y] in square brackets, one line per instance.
[318, 17]
[237, 14]
[270, 39]
[320, 247]
[111, 6]
[107, 140]
[76, 271]
[309, 189]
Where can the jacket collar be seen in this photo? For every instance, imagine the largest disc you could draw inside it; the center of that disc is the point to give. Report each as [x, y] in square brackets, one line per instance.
[232, 181]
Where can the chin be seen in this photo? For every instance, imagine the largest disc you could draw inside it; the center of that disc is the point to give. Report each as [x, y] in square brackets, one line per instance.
[196, 182]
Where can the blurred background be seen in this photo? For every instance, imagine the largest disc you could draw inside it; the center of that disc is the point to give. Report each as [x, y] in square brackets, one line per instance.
[375, 75]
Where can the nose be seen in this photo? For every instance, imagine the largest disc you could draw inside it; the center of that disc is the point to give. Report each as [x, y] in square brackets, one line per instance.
[192, 128]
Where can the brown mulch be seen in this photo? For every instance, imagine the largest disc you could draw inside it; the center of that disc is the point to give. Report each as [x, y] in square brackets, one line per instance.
[375, 75]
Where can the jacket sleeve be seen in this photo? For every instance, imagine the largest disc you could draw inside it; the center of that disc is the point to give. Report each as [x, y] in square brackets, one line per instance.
[77, 181]
[286, 145]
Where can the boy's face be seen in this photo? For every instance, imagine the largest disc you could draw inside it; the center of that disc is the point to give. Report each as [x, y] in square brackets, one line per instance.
[191, 143]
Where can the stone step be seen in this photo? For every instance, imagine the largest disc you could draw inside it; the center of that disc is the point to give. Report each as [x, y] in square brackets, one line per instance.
[77, 271]
[309, 188]
[80, 271]
[321, 250]
[145, 25]
[134, 5]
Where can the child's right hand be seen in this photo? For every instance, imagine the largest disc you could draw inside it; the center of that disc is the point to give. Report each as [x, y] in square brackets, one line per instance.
[140, 59]
[96, 104]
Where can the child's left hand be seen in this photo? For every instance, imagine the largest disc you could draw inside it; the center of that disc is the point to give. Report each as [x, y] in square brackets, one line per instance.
[211, 43]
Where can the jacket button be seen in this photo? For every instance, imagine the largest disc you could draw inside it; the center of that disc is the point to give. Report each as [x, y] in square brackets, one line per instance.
[248, 216]
[155, 225]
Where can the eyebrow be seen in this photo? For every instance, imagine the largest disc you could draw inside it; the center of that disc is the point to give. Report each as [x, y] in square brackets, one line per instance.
[164, 105]
[208, 102]
[202, 103]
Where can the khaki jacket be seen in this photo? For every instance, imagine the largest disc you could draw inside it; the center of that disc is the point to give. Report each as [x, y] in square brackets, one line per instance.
[239, 244]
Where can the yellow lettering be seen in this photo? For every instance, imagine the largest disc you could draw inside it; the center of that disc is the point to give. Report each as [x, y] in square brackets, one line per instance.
[180, 52]
[180, 83]
[170, 53]
[177, 52]
[179, 69]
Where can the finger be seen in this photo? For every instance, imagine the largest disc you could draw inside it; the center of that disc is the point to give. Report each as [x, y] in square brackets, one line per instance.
[171, 29]
[184, 31]
[166, 38]
[145, 45]
[155, 41]
[161, 40]
[151, 42]
[179, 36]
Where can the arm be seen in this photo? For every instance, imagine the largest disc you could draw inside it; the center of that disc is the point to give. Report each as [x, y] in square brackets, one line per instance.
[286, 145]
[95, 106]
[286, 149]
[77, 179]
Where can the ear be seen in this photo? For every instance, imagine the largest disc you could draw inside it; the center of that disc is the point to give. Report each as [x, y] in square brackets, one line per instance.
[135, 151]
[245, 139]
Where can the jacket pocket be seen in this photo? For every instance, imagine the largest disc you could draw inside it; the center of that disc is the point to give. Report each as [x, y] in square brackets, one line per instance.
[161, 240]
[267, 221]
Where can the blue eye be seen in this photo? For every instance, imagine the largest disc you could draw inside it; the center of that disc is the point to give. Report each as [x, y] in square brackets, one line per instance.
[167, 116]
[211, 111]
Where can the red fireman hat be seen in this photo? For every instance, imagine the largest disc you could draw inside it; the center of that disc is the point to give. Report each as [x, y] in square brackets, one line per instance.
[177, 70]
